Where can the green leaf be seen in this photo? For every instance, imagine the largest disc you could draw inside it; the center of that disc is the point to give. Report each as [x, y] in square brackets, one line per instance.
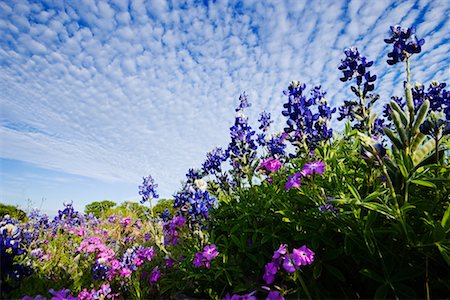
[381, 292]
[236, 240]
[335, 272]
[397, 143]
[317, 270]
[421, 115]
[445, 252]
[445, 219]
[400, 130]
[424, 151]
[373, 196]
[402, 115]
[379, 208]
[424, 183]
[354, 192]
[372, 275]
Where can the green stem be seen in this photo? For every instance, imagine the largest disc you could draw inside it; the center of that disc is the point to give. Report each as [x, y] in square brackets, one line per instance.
[304, 285]
[408, 71]
[427, 283]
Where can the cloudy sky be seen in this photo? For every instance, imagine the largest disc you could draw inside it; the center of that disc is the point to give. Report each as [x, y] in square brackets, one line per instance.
[96, 94]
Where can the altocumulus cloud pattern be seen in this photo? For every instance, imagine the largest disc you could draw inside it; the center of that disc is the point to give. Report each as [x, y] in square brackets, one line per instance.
[115, 90]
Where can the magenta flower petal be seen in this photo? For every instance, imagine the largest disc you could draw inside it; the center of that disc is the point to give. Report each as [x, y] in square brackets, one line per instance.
[293, 181]
[317, 167]
[303, 256]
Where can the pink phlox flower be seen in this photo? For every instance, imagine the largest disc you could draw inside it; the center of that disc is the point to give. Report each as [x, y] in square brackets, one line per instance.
[310, 168]
[269, 274]
[137, 261]
[85, 295]
[125, 222]
[280, 252]
[106, 253]
[125, 272]
[63, 294]
[115, 264]
[154, 276]
[303, 256]
[274, 295]
[270, 165]
[81, 231]
[209, 252]
[293, 181]
[198, 260]
[288, 264]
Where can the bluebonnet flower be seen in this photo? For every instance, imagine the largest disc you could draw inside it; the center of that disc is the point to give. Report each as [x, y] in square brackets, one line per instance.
[213, 162]
[307, 127]
[148, 189]
[242, 147]
[193, 175]
[265, 121]
[243, 102]
[275, 145]
[405, 43]
[194, 200]
[355, 65]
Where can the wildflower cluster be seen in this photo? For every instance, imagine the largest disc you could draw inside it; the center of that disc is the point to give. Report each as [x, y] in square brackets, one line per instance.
[193, 199]
[12, 248]
[356, 66]
[316, 167]
[203, 259]
[170, 228]
[213, 162]
[242, 147]
[405, 43]
[290, 262]
[308, 118]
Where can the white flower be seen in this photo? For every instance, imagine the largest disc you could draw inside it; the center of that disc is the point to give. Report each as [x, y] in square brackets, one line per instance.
[201, 184]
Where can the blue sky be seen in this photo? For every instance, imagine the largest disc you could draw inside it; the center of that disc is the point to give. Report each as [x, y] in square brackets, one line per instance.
[97, 94]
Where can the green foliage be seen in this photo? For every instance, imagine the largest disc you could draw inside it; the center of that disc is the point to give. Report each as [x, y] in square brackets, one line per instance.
[99, 208]
[12, 211]
[162, 205]
[378, 245]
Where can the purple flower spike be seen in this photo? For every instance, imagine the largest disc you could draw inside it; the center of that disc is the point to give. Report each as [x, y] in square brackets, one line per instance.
[293, 181]
[317, 167]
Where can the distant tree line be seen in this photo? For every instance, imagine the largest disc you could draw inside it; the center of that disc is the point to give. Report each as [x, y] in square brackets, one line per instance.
[104, 208]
